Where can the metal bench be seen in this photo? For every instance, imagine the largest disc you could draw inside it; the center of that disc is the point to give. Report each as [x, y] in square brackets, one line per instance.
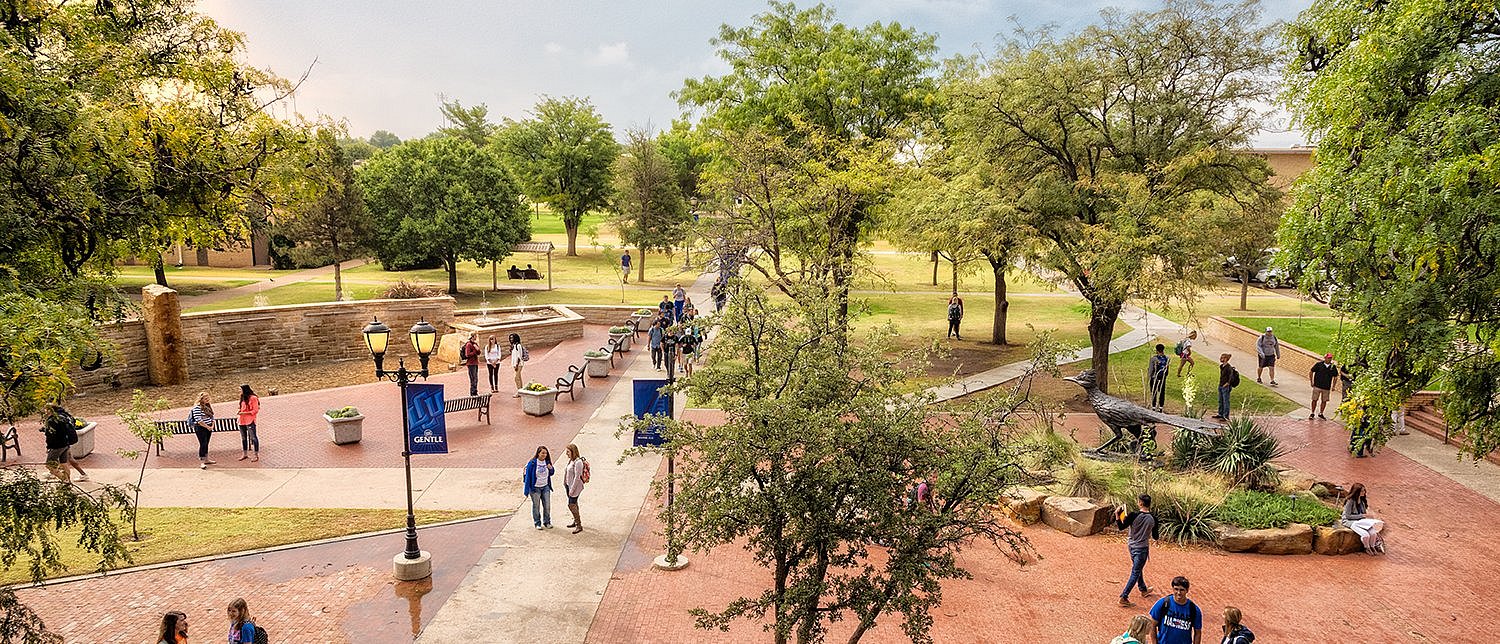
[574, 377]
[470, 403]
[9, 441]
[176, 427]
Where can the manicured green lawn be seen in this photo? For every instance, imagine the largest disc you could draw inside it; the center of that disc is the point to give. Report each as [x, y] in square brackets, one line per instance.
[592, 266]
[1265, 303]
[913, 272]
[187, 286]
[1127, 371]
[205, 272]
[1314, 334]
[298, 293]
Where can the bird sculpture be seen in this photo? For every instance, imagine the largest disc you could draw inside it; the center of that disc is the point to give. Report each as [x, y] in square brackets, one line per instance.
[1124, 416]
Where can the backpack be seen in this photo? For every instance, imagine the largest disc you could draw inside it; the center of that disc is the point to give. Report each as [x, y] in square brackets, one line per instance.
[260, 635]
[1177, 350]
[585, 475]
[525, 355]
[955, 311]
[1234, 377]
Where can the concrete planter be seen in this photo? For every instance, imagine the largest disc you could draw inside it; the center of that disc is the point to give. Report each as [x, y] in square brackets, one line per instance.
[343, 431]
[621, 339]
[597, 367]
[85, 444]
[640, 320]
[538, 403]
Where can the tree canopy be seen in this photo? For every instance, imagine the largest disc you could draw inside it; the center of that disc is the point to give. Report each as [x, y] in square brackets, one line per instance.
[650, 213]
[564, 156]
[1398, 211]
[328, 221]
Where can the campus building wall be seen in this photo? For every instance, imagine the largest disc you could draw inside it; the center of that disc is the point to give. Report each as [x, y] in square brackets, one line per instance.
[1286, 163]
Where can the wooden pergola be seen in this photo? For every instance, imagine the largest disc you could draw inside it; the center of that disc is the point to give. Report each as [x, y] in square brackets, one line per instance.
[525, 247]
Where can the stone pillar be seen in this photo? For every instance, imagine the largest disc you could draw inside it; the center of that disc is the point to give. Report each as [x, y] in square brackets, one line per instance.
[161, 314]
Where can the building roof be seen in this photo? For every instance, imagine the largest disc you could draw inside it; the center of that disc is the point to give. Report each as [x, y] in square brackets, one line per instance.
[533, 247]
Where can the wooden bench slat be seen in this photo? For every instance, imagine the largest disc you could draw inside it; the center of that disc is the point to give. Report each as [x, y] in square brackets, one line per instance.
[480, 402]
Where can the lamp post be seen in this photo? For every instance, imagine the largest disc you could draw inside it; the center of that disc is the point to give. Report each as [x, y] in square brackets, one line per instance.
[412, 563]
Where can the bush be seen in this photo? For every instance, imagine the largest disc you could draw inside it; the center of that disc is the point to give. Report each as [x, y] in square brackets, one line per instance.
[1254, 510]
[1098, 480]
[1044, 449]
[536, 386]
[345, 412]
[595, 353]
[619, 329]
[404, 290]
[1187, 506]
[644, 312]
[1243, 452]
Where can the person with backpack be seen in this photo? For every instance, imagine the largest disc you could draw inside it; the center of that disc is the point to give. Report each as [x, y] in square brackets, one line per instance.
[1228, 380]
[1177, 619]
[1267, 351]
[955, 315]
[493, 354]
[1184, 352]
[688, 344]
[653, 338]
[575, 475]
[249, 409]
[1140, 625]
[1156, 371]
[518, 358]
[201, 419]
[1140, 527]
[536, 482]
[469, 353]
[242, 629]
[61, 432]
[1234, 631]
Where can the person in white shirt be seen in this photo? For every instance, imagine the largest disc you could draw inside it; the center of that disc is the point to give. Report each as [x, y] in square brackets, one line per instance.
[493, 354]
[573, 480]
[517, 360]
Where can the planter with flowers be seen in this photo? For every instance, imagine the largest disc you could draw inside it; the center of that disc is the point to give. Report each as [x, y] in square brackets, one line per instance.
[597, 363]
[537, 399]
[345, 425]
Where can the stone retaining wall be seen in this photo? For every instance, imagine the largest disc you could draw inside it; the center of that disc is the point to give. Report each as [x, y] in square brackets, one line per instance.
[605, 314]
[1294, 359]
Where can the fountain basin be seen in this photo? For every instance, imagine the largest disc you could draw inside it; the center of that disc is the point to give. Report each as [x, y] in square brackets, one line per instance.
[539, 326]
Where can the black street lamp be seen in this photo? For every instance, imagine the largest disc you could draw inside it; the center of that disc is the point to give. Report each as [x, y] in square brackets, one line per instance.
[411, 564]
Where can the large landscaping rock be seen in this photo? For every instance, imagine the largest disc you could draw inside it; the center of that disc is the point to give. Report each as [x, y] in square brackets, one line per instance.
[1075, 515]
[1295, 539]
[1024, 505]
[1336, 541]
[1295, 479]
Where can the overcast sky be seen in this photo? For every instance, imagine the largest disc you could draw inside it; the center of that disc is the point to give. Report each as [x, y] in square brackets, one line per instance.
[383, 64]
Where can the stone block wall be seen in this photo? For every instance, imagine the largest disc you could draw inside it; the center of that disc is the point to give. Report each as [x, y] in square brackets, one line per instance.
[126, 367]
[605, 314]
[1294, 359]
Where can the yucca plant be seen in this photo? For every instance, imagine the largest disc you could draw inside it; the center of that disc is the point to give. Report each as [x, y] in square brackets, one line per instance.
[1243, 453]
[1186, 518]
[1189, 450]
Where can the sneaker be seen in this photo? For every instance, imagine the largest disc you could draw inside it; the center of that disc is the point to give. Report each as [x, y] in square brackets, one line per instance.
[1322, 417]
[1149, 591]
[548, 526]
[203, 466]
[83, 477]
[1274, 383]
[1125, 602]
[1257, 381]
[1311, 416]
[539, 527]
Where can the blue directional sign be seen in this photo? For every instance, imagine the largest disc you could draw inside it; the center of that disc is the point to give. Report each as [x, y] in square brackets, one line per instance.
[426, 433]
[650, 400]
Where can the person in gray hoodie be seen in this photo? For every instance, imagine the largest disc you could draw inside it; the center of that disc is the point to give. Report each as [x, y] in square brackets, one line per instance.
[1268, 348]
[655, 335]
[1140, 527]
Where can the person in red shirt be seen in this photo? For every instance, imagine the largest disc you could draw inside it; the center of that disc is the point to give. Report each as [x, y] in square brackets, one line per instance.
[249, 409]
[470, 355]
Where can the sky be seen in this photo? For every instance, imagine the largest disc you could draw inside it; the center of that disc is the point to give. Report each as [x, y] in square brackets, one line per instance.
[386, 64]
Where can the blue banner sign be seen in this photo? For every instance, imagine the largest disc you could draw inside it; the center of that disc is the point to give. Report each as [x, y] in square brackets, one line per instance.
[650, 400]
[425, 431]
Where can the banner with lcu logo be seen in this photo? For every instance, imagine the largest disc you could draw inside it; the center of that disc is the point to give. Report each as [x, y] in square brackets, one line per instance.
[650, 400]
[425, 431]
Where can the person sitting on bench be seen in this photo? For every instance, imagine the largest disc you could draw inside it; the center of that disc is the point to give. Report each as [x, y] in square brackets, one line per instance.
[531, 273]
[514, 273]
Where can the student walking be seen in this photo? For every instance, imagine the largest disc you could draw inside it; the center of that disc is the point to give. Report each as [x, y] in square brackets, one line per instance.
[1140, 626]
[469, 352]
[493, 354]
[1184, 351]
[689, 347]
[241, 626]
[518, 357]
[1268, 350]
[719, 292]
[1140, 527]
[1228, 380]
[249, 409]
[625, 266]
[1234, 631]
[1177, 619]
[61, 433]
[679, 300]
[669, 351]
[537, 482]
[955, 315]
[1321, 375]
[1156, 371]
[665, 308]
[574, 476]
[653, 338]
[201, 418]
[174, 628]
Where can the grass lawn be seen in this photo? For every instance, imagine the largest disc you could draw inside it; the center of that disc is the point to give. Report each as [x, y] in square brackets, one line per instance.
[186, 286]
[1260, 303]
[203, 272]
[913, 272]
[1127, 375]
[592, 266]
[475, 296]
[298, 293]
[1314, 334]
[171, 534]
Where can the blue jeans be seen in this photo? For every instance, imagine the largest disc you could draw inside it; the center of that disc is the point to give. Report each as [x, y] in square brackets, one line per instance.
[541, 506]
[248, 438]
[1138, 557]
[474, 379]
[677, 310]
[1224, 402]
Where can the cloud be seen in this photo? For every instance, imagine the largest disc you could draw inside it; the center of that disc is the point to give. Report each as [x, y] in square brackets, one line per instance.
[553, 49]
[611, 55]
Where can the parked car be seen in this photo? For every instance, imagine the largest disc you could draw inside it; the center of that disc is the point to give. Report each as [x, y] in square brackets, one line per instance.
[1270, 275]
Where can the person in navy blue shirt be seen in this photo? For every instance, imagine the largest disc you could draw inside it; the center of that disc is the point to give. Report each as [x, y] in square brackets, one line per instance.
[1158, 368]
[1177, 618]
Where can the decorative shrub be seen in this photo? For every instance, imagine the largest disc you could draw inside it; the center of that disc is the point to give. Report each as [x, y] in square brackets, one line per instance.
[404, 290]
[1098, 480]
[619, 329]
[1255, 510]
[536, 386]
[595, 353]
[1187, 505]
[1044, 449]
[644, 312]
[345, 412]
[1243, 452]
[1189, 450]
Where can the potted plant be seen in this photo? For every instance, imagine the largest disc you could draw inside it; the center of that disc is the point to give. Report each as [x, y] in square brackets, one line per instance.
[621, 335]
[537, 399]
[345, 425]
[597, 363]
[641, 315]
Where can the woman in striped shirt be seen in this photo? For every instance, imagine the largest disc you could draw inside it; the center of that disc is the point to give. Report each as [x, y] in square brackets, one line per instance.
[202, 419]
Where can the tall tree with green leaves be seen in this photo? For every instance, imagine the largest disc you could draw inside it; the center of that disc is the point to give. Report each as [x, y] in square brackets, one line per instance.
[563, 155]
[1249, 228]
[469, 123]
[799, 78]
[329, 221]
[383, 139]
[1398, 210]
[650, 213]
[443, 197]
[1122, 139]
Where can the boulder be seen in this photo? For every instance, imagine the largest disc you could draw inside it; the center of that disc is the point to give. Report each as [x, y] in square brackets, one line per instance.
[1294, 479]
[1336, 541]
[1024, 505]
[1330, 490]
[1295, 539]
[1075, 515]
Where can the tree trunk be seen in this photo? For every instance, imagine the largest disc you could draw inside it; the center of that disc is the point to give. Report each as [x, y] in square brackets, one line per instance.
[1002, 304]
[158, 267]
[1101, 330]
[934, 267]
[1244, 287]
[640, 271]
[452, 265]
[338, 278]
[572, 238]
[954, 262]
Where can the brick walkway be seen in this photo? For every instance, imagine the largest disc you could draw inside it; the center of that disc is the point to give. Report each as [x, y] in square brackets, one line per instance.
[293, 433]
[336, 592]
[1435, 585]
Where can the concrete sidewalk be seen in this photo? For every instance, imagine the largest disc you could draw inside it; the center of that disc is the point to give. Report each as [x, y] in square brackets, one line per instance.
[533, 582]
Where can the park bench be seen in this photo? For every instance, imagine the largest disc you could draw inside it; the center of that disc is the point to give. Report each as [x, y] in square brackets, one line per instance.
[176, 427]
[9, 441]
[522, 274]
[565, 384]
[470, 403]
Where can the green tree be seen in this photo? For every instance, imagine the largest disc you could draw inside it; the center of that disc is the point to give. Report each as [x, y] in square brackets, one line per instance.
[813, 470]
[42, 341]
[1398, 210]
[384, 140]
[1121, 141]
[328, 222]
[1249, 231]
[649, 211]
[140, 419]
[687, 151]
[563, 156]
[469, 123]
[445, 198]
[802, 78]
[357, 149]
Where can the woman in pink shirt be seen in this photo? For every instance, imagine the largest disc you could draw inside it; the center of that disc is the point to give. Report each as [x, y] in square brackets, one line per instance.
[249, 408]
